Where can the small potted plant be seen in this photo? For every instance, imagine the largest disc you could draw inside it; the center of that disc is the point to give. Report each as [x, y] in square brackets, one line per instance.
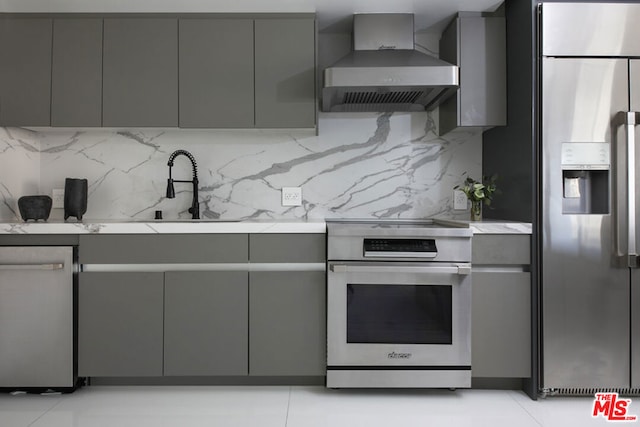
[478, 193]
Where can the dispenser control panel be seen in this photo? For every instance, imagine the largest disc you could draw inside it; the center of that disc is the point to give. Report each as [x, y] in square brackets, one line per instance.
[586, 155]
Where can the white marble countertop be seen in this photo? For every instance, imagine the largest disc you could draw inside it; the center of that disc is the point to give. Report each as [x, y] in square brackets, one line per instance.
[206, 226]
[500, 227]
[162, 227]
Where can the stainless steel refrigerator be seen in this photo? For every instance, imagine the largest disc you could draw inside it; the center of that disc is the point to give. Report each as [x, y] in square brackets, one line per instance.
[590, 206]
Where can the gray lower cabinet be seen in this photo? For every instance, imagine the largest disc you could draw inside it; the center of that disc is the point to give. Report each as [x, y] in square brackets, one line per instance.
[140, 72]
[501, 306]
[76, 77]
[120, 324]
[285, 73]
[216, 73]
[501, 340]
[235, 320]
[25, 71]
[205, 323]
[287, 332]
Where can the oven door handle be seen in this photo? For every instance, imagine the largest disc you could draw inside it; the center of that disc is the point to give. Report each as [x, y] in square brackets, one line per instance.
[461, 268]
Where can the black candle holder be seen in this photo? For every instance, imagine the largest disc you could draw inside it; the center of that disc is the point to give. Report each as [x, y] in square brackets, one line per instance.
[35, 207]
[75, 197]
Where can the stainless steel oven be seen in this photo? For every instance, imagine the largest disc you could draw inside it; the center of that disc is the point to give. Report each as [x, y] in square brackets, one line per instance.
[398, 304]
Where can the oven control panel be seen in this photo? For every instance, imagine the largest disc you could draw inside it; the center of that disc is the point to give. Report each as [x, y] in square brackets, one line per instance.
[400, 248]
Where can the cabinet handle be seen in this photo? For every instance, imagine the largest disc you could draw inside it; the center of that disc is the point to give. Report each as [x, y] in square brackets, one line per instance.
[55, 266]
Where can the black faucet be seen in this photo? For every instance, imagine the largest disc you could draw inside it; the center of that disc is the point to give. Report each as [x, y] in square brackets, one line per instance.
[194, 210]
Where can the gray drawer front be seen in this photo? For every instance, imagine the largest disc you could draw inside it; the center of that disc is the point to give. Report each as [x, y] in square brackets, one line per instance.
[166, 248]
[500, 249]
[287, 247]
[39, 240]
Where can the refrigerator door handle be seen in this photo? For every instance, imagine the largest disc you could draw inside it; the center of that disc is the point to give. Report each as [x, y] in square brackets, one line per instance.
[629, 255]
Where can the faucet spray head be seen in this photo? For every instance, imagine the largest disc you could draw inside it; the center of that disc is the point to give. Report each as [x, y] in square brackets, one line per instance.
[171, 191]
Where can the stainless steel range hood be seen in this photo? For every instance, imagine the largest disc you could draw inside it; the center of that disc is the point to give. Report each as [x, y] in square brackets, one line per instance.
[385, 72]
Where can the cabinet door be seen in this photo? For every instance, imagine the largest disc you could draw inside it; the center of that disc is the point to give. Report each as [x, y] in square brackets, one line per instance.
[501, 313]
[25, 71]
[140, 77]
[76, 78]
[206, 323]
[287, 326]
[285, 73]
[216, 73]
[120, 324]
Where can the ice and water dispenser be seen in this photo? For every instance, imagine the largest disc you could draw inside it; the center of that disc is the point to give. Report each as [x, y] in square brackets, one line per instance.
[586, 170]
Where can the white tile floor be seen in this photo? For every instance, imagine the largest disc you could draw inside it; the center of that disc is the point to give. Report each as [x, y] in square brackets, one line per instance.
[235, 406]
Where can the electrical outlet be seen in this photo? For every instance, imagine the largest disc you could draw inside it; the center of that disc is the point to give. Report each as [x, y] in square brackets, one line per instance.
[459, 200]
[58, 198]
[291, 196]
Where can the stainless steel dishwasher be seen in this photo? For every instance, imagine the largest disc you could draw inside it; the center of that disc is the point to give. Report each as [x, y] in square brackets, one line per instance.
[37, 317]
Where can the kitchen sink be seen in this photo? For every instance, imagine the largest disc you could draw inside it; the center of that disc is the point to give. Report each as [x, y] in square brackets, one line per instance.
[184, 221]
[198, 220]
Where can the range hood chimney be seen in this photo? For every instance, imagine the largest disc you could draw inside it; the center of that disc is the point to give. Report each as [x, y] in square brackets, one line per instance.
[385, 73]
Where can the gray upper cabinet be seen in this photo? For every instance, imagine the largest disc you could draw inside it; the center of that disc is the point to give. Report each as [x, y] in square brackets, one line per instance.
[25, 71]
[179, 70]
[76, 79]
[477, 44]
[216, 73]
[140, 72]
[285, 73]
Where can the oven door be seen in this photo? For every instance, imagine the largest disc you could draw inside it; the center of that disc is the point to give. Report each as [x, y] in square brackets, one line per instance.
[394, 315]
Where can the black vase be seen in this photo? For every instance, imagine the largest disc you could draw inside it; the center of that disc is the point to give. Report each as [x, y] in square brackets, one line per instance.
[75, 197]
[34, 207]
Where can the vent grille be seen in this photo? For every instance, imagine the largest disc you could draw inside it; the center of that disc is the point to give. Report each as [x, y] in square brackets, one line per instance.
[402, 97]
[592, 391]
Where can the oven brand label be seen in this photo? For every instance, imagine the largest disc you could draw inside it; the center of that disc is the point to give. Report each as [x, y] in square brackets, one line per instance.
[394, 355]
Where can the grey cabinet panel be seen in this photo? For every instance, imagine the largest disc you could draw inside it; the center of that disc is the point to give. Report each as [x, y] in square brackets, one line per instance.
[501, 313]
[120, 324]
[285, 73]
[163, 248]
[25, 71]
[206, 323]
[140, 72]
[287, 326]
[39, 240]
[287, 248]
[76, 79]
[477, 45]
[501, 249]
[216, 73]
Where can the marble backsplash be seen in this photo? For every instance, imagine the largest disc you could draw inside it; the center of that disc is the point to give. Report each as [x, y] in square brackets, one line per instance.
[357, 166]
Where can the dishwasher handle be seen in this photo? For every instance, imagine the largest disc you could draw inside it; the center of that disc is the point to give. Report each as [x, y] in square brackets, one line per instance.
[459, 268]
[53, 266]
